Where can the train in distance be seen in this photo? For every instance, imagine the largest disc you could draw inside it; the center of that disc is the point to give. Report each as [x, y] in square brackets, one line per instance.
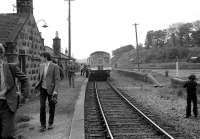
[99, 66]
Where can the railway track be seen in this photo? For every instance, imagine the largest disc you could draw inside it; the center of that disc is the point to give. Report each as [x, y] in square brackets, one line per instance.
[109, 115]
[94, 125]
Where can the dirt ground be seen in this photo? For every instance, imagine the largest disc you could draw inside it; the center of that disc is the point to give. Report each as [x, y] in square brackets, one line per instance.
[167, 102]
[27, 117]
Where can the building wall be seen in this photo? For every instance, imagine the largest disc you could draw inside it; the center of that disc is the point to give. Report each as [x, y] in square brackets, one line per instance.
[29, 47]
[26, 50]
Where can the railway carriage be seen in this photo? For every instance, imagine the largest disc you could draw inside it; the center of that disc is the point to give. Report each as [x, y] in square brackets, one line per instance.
[99, 65]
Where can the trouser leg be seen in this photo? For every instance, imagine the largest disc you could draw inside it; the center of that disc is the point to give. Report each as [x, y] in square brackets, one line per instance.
[73, 81]
[188, 108]
[66, 74]
[51, 110]
[7, 121]
[8, 138]
[195, 110]
[0, 126]
[70, 81]
[43, 97]
[87, 74]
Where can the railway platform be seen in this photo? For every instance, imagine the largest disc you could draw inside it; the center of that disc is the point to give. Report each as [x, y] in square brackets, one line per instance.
[68, 115]
[77, 126]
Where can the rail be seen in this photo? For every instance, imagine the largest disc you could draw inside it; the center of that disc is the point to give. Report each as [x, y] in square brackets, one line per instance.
[102, 113]
[141, 113]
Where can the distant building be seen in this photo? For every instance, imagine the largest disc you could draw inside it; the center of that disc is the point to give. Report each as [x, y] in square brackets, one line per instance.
[57, 55]
[122, 50]
[61, 60]
[118, 52]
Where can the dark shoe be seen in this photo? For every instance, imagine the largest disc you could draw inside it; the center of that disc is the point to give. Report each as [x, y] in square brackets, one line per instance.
[7, 137]
[50, 127]
[42, 129]
[187, 116]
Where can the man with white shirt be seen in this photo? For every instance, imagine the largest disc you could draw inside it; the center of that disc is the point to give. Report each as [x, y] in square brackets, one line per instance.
[48, 79]
[8, 96]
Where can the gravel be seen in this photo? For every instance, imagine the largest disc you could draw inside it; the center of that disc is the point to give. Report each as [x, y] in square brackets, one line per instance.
[166, 102]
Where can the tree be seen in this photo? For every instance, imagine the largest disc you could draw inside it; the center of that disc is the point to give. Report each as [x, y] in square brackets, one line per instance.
[160, 37]
[172, 34]
[196, 25]
[155, 38]
[196, 37]
[184, 31]
[149, 39]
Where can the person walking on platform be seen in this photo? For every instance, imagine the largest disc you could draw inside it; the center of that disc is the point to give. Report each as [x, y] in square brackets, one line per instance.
[9, 101]
[87, 71]
[47, 85]
[82, 69]
[62, 76]
[191, 86]
[71, 75]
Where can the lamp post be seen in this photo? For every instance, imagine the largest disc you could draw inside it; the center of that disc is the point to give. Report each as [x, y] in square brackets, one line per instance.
[137, 49]
[44, 25]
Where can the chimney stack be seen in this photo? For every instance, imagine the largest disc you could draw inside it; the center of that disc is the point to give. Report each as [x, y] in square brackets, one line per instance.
[57, 45]
[24, 6]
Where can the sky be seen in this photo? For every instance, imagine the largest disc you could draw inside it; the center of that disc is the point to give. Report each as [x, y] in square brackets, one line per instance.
[105, 25]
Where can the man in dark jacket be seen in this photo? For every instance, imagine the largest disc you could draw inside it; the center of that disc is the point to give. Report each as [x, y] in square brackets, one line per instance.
[71, 74]
[8, 96]
[48, 81]
[191, 86]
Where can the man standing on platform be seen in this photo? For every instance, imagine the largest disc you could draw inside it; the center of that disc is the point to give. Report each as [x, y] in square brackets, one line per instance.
[49, 77]
[8, 97]
[71, 74]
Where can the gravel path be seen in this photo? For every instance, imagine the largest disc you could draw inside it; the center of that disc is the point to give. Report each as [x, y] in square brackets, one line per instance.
[167, 102]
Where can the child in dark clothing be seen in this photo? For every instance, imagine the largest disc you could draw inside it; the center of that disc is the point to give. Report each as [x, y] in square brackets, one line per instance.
[191, 86]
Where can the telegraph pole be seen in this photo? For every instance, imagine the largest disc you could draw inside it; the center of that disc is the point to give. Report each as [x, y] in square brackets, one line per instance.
[69, 28]
[137, 49]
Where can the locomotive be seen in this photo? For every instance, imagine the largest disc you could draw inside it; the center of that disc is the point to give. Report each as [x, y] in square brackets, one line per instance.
[99, 66]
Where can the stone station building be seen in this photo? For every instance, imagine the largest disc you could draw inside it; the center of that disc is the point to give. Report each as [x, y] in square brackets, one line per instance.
[23, 42]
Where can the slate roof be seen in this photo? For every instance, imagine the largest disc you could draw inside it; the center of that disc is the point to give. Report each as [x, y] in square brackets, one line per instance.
[50, 50]
[10, 26]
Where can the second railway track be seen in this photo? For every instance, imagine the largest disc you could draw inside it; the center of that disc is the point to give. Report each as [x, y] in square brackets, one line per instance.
[113, 117]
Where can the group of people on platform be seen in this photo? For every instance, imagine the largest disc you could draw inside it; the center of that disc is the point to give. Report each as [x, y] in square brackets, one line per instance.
[84, 70]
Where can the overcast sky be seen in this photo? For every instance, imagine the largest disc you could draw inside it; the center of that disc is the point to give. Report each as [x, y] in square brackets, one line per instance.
[106, 24]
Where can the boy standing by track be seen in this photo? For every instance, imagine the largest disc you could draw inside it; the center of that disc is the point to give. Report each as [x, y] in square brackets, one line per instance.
[191, 87]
